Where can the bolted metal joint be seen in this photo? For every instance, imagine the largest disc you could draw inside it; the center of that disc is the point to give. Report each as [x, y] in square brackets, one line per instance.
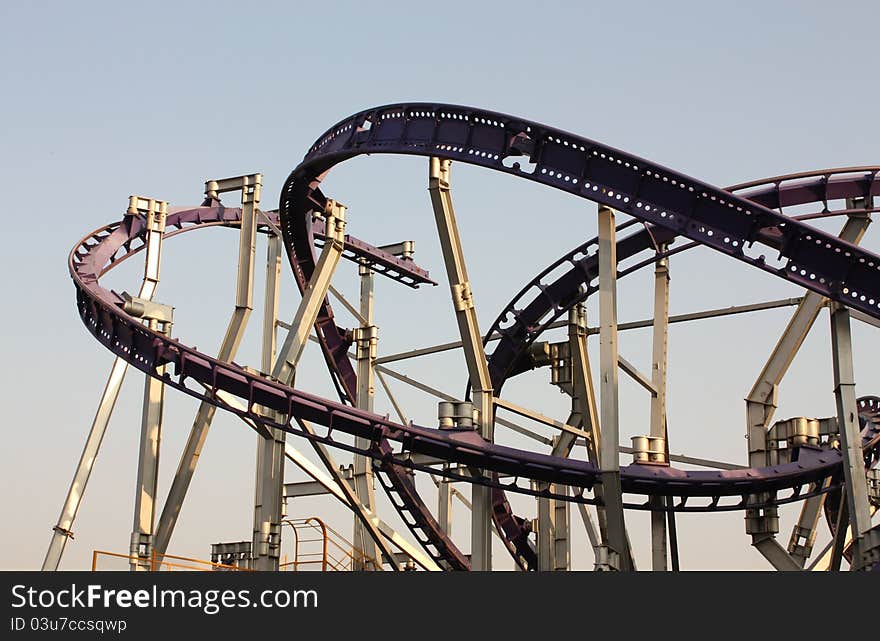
[560, 363]
[870, 545]
[334, 222]
[63, 532]
[404, 249]
[801, 543]
[873, 478]
[250, 186]
[438, 177]
[366, 338]
[149, 207]
[238, 554]
[456, 415]
[577, 319]
[762, 521]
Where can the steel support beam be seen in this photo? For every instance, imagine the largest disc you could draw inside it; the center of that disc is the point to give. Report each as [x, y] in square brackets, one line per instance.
[541, 418]
[291, 351]
[632, 371]
[380, 370]
[679, 318]
[332, 486]
[143, 528]
[775, 553]
[250, 187]
[316, 292]
[472, 346]
[848, 424]
[444, 504]
[803, 535]
[417, 555]
[824, 561]
[843, 534]
[401, 415]
[268, 501]
[583, 405]
[658, 403]
[351, 497]
[155, 213]
[761, 400]
[608, 391]
[269, 473]
[366, 337]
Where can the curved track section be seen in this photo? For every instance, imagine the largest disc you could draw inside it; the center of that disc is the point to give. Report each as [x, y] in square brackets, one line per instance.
[677, 204]
[848, 276]
[202, 376]
[542, 302]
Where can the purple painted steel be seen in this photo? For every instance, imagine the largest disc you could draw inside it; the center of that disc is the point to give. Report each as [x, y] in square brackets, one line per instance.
[145, 349]
[127, 337]
[869, 414]
[530, 322]
[712, 216]
[403, 270]
[351, 140]
[511, 356]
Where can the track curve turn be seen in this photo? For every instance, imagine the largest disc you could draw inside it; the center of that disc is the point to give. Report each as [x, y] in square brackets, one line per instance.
[673, 204]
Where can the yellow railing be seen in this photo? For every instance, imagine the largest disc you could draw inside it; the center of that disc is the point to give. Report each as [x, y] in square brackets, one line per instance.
[319, 547]
[168, 563]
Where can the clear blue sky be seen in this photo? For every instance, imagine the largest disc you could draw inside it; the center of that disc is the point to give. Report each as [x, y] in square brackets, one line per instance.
[103, 100]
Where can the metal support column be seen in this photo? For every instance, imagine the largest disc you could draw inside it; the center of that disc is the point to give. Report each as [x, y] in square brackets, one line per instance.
[268, 501]
[154, 212]
[366, 337]
[562, 533]
[269, 485]
[367, 516]
[338, 487]
[316, 291]
[761, 401]
[546, 530]
[269, 474]
[658, 404]
[608, 394]
[848, 425]
[583, 404]
[803, 535]
[761, 404]
[250, 187]
[472, 346]
[143, 528]
[444, 507]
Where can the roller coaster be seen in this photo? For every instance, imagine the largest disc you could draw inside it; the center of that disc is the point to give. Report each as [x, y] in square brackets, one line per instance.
[827, 466]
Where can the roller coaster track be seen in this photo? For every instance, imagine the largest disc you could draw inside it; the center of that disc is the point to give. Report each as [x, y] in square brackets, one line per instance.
[673, 205]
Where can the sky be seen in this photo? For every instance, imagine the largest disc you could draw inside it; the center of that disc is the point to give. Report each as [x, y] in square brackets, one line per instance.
[104, 100]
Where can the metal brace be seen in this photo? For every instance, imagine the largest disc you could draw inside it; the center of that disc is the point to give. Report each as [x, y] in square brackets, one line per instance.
[154, 210]
[147, 309]
[250, 186]
[366, 339]
[334, 223]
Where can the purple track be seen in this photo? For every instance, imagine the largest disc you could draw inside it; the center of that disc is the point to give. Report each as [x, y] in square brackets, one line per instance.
[671, 205]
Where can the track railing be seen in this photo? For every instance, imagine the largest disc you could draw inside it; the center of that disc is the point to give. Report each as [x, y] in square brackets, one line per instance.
[319, 547]
[167, 563]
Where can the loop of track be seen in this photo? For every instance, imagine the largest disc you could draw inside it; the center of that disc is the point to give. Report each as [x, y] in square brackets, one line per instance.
[849, 275]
